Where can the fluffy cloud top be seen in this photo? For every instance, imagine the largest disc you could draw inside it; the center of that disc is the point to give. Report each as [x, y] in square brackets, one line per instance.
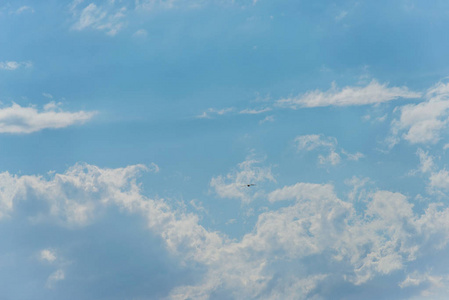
[373, 93]
[19, 119]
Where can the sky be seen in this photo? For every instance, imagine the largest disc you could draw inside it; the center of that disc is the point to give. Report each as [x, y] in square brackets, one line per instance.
[130, 129]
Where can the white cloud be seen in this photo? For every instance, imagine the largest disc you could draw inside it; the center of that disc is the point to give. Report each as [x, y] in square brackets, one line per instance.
[358, 192]
[168, 4]
[18, 119]
[108, 17]
[340, 16]
[23, 9]
[209, 113]
[423, 122]
[254, 111]
[356, 156]
[275, 260]
[141, 33]
[234, 184]
[333, 158]
[47, 95]
[320, 142]
[14, 65]
[416, 279]
[56, 276]
[439, 180]
[312, 141]
[267, 119]
[373, 93]
[426, 161]
[154, 168]
[48, 255]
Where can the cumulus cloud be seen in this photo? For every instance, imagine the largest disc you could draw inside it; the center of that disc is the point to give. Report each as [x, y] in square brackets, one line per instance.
[14, 65]
[307, 247]
[373, 93]
[423, 122]
[19, 119]
[312, 142]
[348, 245]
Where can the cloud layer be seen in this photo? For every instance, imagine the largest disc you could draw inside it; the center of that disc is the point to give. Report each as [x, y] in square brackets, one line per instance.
[307, 248]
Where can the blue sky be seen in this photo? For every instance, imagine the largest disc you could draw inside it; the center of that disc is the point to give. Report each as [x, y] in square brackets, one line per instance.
[129, 130]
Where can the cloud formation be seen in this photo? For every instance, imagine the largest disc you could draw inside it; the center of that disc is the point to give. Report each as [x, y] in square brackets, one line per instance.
[19, 119]
[307, 248]
[373, 93]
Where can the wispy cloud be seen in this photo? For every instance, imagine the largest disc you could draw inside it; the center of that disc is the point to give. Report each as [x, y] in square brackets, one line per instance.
[168, 4]
[255, 111]
[56, 276]
[341, 15]
[14, 65]
[267, 119]
[108, 17]
[211, 112]
[47, 95]
[24, 9]
[373, 93]
[328, 144]
[19, 119]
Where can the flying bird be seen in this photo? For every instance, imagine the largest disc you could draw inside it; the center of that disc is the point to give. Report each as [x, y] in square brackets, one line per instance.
[249, 184]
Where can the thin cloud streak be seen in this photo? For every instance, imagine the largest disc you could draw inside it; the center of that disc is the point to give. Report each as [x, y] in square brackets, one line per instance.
[373, 93]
